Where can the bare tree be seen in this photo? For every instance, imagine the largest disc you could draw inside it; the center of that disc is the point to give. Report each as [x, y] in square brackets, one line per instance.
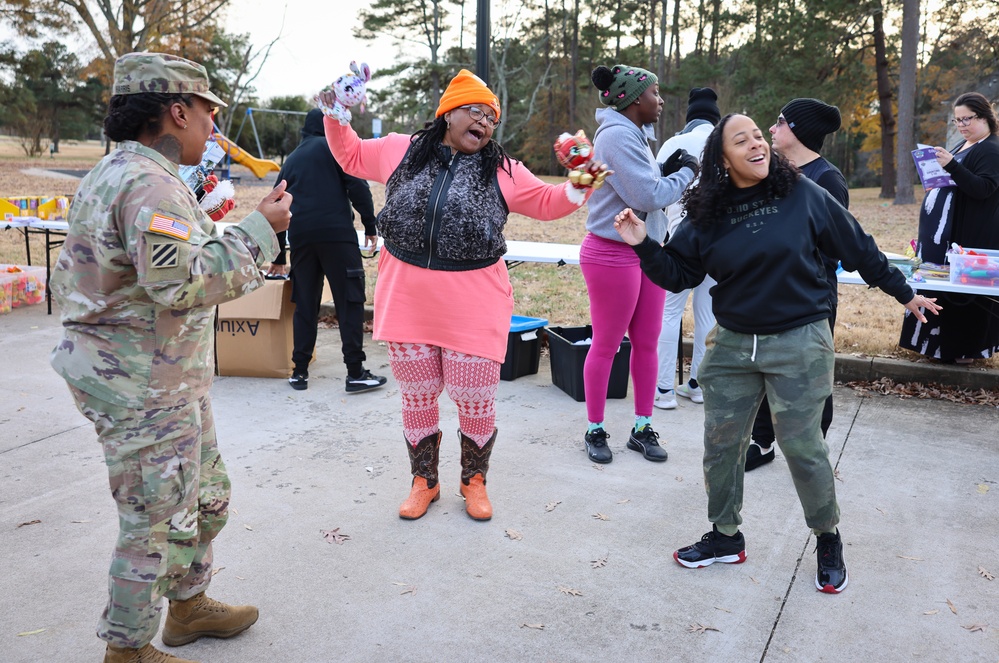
[907, 102]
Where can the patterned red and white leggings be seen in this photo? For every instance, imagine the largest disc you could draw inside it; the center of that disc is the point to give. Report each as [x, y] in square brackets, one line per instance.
[424, 371]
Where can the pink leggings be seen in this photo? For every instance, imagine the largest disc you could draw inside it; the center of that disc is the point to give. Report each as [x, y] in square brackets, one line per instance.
[622, 299]
[423, 371]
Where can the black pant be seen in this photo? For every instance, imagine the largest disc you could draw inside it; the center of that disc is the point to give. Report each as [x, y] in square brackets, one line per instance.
[340, 263]
[763, 426]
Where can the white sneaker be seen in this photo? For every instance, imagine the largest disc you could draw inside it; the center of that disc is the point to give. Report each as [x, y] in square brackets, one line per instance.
[665, 400]
[694, 394]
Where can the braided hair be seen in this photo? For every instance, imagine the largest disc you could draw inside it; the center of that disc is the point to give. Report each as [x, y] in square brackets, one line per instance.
[132, 115]
[705, 202]
[425, 146]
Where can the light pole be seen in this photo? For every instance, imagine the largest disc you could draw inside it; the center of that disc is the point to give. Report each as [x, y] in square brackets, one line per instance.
[482, 41]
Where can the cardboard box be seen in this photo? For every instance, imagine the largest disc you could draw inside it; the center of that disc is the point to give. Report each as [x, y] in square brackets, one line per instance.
[523, 347]
[568, 359]
[253, 334]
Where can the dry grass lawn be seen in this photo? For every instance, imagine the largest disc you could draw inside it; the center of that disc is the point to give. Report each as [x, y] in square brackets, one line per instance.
[868, 321]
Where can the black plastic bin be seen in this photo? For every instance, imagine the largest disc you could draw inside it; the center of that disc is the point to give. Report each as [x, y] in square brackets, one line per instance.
[568, 359]
[523, 347]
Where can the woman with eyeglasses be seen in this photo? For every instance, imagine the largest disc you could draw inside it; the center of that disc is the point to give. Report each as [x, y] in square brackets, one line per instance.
[760, 229]
[443, 299]
[966, 214]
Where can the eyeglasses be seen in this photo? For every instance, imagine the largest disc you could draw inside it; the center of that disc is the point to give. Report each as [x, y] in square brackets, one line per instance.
[476, 114]
[963, 121]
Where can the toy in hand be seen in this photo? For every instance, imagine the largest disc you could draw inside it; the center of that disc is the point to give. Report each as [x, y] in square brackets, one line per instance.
[575, 152]
[349, 90]
[218, 199]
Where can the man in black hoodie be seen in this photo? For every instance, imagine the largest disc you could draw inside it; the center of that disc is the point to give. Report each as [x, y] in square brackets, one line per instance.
[324, 243]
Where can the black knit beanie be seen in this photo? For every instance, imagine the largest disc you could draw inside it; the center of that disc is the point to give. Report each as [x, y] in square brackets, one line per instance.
[620, 85]
[702, 104]
[810, 120]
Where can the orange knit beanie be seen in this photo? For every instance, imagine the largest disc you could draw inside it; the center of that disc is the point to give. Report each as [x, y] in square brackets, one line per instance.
[467, 88]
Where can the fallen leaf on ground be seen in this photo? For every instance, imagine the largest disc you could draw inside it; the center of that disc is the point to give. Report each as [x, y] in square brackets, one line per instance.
[623, 501]
[248, 527]
[678, 478]
[539, 627]
[982, 489]
[985, 574]
[35, 632]
[701, 628]
[975, 627]
[30, 522]
[597, 467]
[551, 506]
[234, 510]
[929, 391]
[217, 570]
[600, 516]
[931, 612]
[411, 589]
[881, 511]
[914, 559]
[334, 536]
[755, 581]
[836, 475]
[570, 591]
[514, 535]
[722, 609]
[78, 522]
[951, 606]
[599, 563]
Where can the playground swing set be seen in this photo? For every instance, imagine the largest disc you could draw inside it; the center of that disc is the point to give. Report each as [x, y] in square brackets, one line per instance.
[259, 166]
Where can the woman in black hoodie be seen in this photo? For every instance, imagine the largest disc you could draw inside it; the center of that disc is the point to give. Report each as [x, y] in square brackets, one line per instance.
[760, 230]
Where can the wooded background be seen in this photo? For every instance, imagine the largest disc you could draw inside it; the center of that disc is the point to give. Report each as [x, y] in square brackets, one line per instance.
[892, 67]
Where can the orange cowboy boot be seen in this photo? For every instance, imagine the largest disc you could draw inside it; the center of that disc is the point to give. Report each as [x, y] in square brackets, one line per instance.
[474, 465]
[423, 459]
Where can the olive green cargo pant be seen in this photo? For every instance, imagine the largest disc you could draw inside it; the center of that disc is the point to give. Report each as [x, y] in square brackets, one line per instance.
[795, 369]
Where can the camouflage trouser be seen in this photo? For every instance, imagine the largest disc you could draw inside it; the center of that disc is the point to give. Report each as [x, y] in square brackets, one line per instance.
[172, 492]
[795, 368]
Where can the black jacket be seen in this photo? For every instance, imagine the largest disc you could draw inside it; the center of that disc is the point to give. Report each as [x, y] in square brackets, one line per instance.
[322, 193]
[768, 259]
[976, 204]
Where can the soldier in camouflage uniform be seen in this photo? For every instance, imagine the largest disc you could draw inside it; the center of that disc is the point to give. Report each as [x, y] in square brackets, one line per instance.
[137, 282]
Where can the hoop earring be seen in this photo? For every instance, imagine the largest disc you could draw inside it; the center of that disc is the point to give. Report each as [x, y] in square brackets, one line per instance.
[722, 175]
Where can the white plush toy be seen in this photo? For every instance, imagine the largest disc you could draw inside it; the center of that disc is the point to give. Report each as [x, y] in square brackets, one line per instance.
[349, 90]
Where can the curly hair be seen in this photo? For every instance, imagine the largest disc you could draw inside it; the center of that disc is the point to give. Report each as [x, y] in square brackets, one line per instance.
[706, 201]
[425, 146]
[131, 115]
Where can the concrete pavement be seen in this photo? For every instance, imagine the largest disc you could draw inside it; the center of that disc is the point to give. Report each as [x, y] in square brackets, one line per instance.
[918, 489]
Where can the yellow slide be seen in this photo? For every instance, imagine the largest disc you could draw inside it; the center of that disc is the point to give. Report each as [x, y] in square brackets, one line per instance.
[260, 167]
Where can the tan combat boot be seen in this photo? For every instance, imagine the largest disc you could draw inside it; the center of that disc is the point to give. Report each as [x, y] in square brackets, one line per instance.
[474, 466]
[201, 616]
[147, 654]
[423, 460]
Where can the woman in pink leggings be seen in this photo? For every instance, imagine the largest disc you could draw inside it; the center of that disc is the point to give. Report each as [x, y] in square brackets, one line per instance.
[622, 299]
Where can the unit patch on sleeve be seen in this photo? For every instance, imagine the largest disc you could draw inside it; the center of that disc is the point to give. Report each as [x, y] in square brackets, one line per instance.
[164, 255]
[166, 225]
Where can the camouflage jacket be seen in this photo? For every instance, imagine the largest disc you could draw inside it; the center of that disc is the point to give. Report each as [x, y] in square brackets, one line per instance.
[139, 277]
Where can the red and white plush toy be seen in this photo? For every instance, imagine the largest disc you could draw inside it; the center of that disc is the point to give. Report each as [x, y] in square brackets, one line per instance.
[349, 90]
[575, 152]
[218, 199]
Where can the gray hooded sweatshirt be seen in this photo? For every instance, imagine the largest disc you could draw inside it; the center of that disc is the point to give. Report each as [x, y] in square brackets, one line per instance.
[637, 181]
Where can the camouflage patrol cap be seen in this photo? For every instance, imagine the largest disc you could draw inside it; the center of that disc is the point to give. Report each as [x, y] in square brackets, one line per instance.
[136, 73]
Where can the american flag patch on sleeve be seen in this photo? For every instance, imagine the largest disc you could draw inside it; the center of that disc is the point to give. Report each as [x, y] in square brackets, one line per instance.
[165, 225]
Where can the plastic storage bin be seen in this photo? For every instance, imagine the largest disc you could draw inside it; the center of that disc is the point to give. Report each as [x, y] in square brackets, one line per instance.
[523, 347]
[980, 268]
[21, 285]
[567, 362]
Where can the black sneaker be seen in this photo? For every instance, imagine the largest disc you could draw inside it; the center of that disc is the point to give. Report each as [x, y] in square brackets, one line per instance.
[830, 576]
[713, 547]
[364, 382]
[647, 442]
[596, 446]
[299, 380]
[757, 455]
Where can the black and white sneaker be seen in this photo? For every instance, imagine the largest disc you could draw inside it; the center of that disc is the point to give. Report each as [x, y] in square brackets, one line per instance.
[757, 455]
[830, 575]
[713, 547]
[646, 441]
[299, 380]
[596, 446]
[364, 382]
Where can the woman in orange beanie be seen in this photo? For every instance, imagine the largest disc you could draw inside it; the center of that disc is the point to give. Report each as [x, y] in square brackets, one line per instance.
[449, 189]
